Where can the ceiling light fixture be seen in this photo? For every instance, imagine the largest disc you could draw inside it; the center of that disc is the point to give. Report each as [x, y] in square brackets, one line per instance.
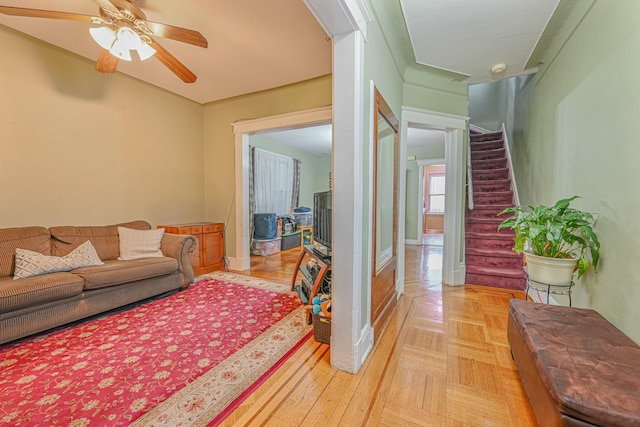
[121, 42]
[498, 68]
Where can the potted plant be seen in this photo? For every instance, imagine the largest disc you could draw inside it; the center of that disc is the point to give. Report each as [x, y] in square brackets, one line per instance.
[557, 240]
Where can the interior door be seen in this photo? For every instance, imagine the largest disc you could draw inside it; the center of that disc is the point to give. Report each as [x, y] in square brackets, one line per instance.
[385, 207]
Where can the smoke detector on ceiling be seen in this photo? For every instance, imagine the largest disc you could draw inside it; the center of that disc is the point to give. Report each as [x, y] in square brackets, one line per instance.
[498, 68]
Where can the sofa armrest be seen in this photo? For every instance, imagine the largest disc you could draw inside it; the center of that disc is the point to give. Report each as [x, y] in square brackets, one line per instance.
[179, 246]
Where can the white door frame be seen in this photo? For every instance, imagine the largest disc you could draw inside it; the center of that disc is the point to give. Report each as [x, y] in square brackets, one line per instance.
[242, 130]
[421, 164]
[453, 267]
[345, 21]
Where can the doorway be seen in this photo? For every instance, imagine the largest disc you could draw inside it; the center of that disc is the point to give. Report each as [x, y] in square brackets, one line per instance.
[243, 130]
[309, 149]
[425, 213]
[453, 128]
[433, 204]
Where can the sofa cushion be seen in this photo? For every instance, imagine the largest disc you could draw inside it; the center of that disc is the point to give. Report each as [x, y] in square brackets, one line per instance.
[115, 272]
[35, 239]
[29, 263]
[104, 238]
[136, 244]
[17, 294]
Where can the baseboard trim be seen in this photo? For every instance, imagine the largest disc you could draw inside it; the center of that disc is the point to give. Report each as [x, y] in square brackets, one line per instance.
[363, 347]
[237, 264]
[413, 242]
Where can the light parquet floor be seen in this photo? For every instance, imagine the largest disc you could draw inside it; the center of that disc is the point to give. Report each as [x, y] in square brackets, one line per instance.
[442, 360]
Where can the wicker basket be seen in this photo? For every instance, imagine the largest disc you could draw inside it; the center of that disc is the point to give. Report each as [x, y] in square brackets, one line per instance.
[321, 328]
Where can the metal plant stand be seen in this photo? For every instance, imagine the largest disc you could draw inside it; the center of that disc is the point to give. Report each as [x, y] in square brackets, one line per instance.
[549, 289]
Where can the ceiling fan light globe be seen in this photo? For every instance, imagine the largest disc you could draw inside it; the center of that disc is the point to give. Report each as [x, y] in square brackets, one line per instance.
[128, 38]
[120, 51]
[145, 51]
[104, 36]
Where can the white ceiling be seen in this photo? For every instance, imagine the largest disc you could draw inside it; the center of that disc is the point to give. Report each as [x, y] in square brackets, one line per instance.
[256, 45]
[419, 137]
[470, 36]
[312, 139]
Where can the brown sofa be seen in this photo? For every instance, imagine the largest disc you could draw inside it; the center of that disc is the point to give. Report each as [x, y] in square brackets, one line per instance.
[38, 303]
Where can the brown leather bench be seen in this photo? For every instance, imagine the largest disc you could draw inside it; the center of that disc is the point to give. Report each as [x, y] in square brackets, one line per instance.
[577, 368]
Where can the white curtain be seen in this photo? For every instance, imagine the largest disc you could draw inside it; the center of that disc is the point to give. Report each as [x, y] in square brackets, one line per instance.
[273, 182]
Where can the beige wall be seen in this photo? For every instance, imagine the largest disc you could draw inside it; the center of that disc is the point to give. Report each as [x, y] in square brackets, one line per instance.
[219, 140]
[79, 147]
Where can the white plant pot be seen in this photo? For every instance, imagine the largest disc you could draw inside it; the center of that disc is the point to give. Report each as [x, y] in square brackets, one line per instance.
[550, 271]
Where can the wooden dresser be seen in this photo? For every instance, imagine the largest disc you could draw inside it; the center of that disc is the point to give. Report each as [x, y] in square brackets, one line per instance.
[208, 255]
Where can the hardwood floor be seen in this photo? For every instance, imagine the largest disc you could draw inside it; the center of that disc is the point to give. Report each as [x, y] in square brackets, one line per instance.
[442, 360]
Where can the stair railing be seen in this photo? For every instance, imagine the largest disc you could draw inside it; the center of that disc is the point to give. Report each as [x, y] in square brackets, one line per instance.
[469, 172]
[512, 176]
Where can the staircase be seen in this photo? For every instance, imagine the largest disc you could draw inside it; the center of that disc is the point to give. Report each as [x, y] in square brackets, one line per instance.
[489, 257]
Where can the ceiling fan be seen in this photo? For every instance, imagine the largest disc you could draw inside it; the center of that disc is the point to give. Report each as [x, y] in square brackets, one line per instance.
[124, 28]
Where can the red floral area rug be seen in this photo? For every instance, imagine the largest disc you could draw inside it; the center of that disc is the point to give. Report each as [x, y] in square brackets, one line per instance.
[185, 360]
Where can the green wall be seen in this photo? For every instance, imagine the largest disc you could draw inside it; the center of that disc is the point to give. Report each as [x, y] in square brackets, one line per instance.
[488, 103]
[579, 133]
[436, 90]
[314, 173]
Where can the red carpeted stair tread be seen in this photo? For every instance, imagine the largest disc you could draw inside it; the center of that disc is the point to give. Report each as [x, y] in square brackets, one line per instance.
[496, 281]
[486, 164]
[486, 136]
[487, 145]
[497, 153]
[491, 174]
[493, 197]
[507, 193]
[501, 253]
[496, 271]
[481, 235]
[488, 211]
[475, 224]
[493, 185]
[489, 220]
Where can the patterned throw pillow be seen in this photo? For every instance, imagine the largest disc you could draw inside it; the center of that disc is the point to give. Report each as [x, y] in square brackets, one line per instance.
[136, 244]
[29, 263]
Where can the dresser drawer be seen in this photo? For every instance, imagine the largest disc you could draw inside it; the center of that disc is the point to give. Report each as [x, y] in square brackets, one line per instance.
[213, 228]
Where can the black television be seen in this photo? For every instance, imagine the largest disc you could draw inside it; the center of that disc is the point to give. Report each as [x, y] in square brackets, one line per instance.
[322, 221]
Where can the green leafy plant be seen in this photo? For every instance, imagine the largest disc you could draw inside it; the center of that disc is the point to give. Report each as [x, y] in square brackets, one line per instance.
[557, 231]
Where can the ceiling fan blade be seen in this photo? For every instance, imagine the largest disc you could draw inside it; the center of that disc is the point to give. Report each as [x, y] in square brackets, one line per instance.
[107, 63]
[172, 63]
[106, 5]
[177, 33]
[38, 13]
[128, 5]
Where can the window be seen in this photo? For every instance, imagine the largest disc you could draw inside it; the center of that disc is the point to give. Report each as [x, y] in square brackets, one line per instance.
[436, 193]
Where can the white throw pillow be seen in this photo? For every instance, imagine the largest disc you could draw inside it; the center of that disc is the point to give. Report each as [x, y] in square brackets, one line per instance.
[29, 263]
[136, 244]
